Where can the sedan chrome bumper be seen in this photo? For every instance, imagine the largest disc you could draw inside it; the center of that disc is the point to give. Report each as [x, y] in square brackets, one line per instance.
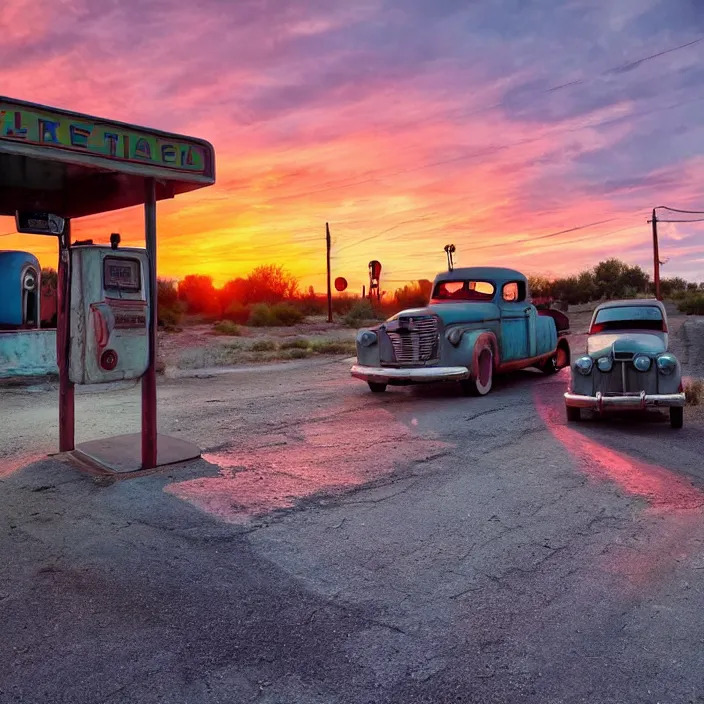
[633, 402]
[409, 375]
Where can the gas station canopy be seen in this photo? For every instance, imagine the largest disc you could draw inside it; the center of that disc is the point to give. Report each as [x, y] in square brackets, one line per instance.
[75, 165]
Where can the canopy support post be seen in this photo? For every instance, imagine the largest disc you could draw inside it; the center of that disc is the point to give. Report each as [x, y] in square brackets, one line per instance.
[63, 344]
[149, 417]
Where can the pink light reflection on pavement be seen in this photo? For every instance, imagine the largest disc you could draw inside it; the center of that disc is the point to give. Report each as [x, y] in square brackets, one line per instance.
[673, 500]
[662, 488]
[275, 470]
[9, 465]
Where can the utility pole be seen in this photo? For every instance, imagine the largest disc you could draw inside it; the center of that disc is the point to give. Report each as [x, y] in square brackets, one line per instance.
[327, 243]
[656, 256]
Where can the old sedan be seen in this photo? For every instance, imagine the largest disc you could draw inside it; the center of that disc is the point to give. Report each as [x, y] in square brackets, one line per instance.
[627, 366]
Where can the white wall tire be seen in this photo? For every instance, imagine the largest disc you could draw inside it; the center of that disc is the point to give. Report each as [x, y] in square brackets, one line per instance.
[482, 374]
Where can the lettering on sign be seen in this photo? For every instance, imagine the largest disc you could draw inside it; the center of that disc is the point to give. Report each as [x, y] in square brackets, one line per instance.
[125, 320]
[117, 142]
[128, 315]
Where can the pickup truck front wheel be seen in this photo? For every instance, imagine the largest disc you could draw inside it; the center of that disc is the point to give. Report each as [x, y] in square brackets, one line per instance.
[483, 376]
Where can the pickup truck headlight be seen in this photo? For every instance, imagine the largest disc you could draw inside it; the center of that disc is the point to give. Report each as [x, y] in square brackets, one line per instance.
[366, 338]
[642, 362]
[584, 365]
[454, 336]
[666, 363]
[605, 364]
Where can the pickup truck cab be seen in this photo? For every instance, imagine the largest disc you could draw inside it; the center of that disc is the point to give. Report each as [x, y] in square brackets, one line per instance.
[479, 321]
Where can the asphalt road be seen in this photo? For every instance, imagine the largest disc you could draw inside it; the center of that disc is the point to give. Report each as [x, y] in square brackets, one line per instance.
[335, 546]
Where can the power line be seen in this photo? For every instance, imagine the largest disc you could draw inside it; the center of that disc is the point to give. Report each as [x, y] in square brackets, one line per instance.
[504, 244]
[676, 210]
[697, 220]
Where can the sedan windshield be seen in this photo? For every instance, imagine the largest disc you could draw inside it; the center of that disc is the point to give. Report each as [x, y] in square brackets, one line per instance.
[629, 318]
[464, 291]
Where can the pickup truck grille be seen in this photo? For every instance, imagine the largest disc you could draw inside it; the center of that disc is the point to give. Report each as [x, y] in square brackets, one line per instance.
[416, 340]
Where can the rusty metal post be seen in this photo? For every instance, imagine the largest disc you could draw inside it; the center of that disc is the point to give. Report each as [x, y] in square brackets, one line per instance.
[656, 257]
[327, 248]
[67, 416]
[149, 416]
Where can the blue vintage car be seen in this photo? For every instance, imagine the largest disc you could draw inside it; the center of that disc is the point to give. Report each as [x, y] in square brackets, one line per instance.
[627, 365]
[479, 322]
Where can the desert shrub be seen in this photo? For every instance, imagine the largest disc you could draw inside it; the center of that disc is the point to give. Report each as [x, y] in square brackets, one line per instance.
[170, 318]
[333, 347]
[342, 304]
[295, 344]
[237, 313]
[264, 346]
[286, 314]
[280, 314]
[169, 309]
[413, 295]
[260, 316]
[694, 391]
[311, 305]
[296, 353]
[359, 313]
[227, 327]
[692, 304]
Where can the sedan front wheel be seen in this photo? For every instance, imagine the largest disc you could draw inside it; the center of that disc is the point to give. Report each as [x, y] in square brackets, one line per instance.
[676, 417]
[574, 415]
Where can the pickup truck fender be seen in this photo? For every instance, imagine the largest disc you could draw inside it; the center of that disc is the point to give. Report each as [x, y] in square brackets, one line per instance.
[473, 342]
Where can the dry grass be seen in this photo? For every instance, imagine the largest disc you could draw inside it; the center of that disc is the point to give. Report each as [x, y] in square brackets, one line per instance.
[333, 347]
[694, 391]
[264, 346]
[227, 327]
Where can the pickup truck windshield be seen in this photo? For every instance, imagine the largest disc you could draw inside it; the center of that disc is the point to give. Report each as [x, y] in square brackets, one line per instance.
[629, 318]
[464, 291]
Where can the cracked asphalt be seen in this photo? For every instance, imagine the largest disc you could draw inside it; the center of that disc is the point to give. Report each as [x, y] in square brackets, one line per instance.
[336, 546]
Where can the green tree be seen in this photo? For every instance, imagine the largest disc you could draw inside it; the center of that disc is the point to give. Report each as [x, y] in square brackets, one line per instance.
[607, 278]
[540, 286]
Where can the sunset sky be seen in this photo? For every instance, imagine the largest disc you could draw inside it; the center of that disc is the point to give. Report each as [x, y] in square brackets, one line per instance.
[407, 124]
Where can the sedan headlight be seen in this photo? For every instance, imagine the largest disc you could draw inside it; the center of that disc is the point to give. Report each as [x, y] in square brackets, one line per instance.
[605, 364]
[666, 363]
[584, 365]
[454, 336]
[642, 362]
[366, 338]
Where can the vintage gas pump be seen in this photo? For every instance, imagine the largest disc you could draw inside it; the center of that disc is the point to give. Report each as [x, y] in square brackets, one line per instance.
[109, 314]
